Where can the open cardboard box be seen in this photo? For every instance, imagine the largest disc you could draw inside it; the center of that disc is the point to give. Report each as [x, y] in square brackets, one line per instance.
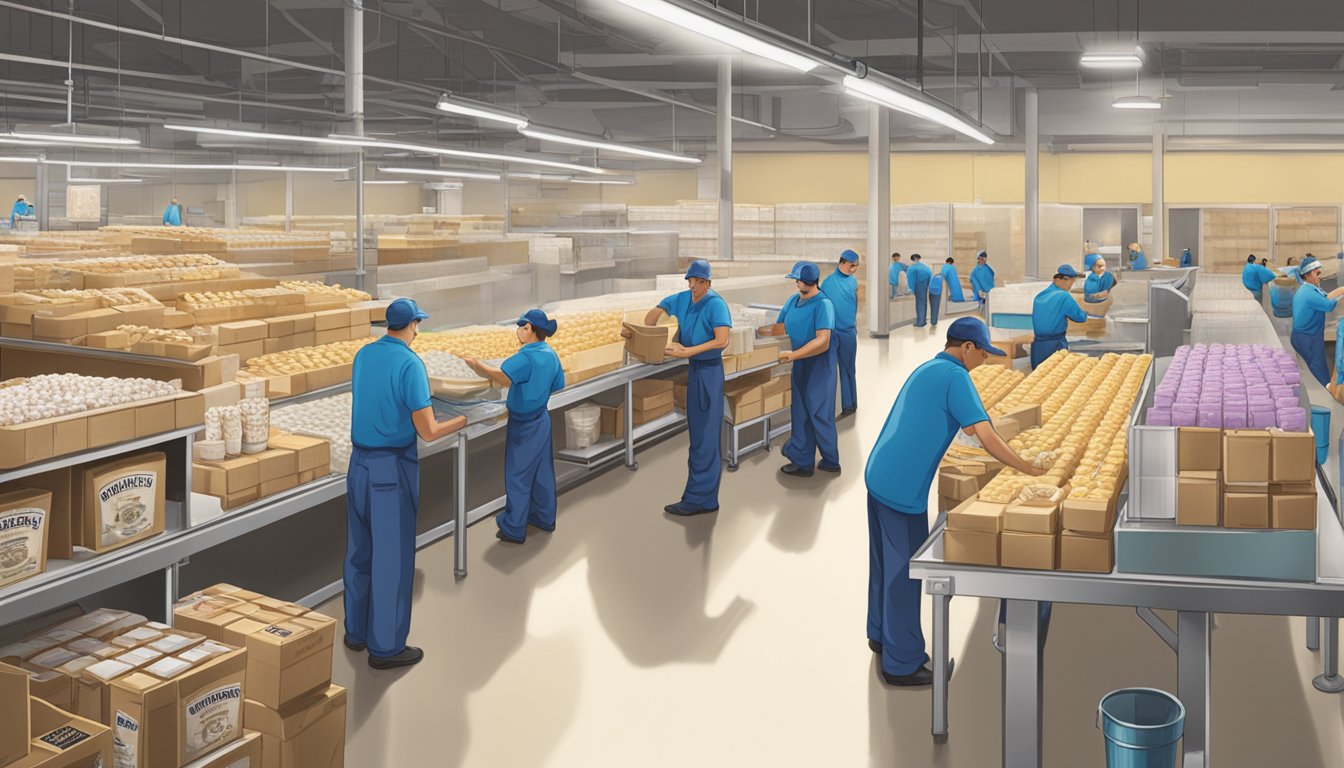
[647, 343]
[62, 740]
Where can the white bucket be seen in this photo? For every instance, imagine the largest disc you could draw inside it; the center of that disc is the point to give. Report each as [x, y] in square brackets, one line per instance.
[582, 426]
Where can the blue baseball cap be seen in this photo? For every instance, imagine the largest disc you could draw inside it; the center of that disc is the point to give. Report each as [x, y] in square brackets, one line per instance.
[699, 268]
[805, 271]
[538, 319]
[1309, 265]
[982, 255]
[972, 329]
[850, 256]
[1066, 270]
[403, 312]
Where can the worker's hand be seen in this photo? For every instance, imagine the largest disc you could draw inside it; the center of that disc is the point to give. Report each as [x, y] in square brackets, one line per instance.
[472, 363]
[786, 356]
[626, 334]
[676, 350]
[1102, 296]
[1035, 471]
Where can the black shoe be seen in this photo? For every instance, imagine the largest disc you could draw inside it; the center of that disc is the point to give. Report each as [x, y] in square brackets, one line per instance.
[504, 537]
[832, 468]
[683, 509]
[793, 470]
[920, 677]
[875, 647]
[407, 658]
[543, 528]
[356, 647]
[847, 412]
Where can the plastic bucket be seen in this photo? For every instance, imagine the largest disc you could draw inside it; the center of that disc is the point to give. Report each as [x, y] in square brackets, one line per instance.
[1281, 299]
[1320, 426]
[1143, 728]
[582, 427]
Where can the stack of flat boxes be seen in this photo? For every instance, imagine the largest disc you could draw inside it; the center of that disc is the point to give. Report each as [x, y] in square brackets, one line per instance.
[1246, 478]
[39, 735]
[652, 399]
[288, 462]
[1047, 536]
[290, 698]
[254, 338]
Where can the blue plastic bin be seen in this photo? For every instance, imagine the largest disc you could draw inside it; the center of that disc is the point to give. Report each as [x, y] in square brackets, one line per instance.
[1320, 426]
[1281, 299]
[1143, 728]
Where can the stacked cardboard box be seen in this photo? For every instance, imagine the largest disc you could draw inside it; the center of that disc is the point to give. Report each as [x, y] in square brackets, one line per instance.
[288, 461]
[973, 533]
[34, 441]
[1049, 534]
[1246, 478]
[58, 739]
[651, 399]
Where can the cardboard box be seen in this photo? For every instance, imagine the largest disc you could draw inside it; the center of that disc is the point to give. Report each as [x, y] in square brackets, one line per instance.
[1086, 552]
[277, 485]
[122, 500]
[62, 740]
[244, 497]
[1198, 449]
[1293, 457]
[108, 340]
[738, 411]
[155, 418]
[55, 688]
[1245, 507]
[1293, 511]
[1246, 456]
[241, 331]
[332, 335]
[24, 515]
[1043, 519]
[646, 342]
[312, 452]
[775, 402]
[220, 395]
[110, 425]
[175, 320]
[331, 319]
[15, 735]
[27, 443]
[225, 477]
[288, 659]
[208, 614]
[976, 515]
[309, 733]
[1035, 551]
[60, 521]
[956, 486]
[1199, 498]
[971, 547]
[613, 419]
[243, 753]
[274, 463]
[649, 394]
[245, 350]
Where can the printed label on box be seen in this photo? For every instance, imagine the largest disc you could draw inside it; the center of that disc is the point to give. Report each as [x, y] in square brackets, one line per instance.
[20, 542]
[126, 506]
[125, 741]
[213, 720]
[64, 737]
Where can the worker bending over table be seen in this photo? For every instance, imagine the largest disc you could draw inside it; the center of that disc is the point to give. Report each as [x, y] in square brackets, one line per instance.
[938, 399]
[894, 276]
[947, 275]
[1051, 312]
[1254, 277]
[808, 318]
[703, 322]
[842, 288]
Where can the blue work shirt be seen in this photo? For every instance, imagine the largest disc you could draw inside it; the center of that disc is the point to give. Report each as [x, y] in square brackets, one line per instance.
[802, 319]
[1052, 309]
[172, 216]
[20, 209]
[982, 280]
[1186, 258]
[1310, 306]
[388, 384]
[843, 291]
[1137, 260]
[1255, 277]
[534, 373]
[917, 276]
[1095, 284]
[894, 273]
[948, 274]
[696, 320]
[937, 400]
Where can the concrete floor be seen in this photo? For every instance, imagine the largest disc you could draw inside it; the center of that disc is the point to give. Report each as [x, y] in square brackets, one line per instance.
[738, 639]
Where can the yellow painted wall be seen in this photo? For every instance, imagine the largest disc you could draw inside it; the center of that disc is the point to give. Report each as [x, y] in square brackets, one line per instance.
[1243, 178]
[652, 188]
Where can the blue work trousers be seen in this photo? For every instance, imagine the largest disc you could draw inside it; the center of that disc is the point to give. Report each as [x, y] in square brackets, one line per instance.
[1311, 346]
[846, 345]
[893, 597]
[813, 412]
[894, 290]
[921, 306]
[1045, 346]
[529, 474]
[935, 300]
[704, 422]
[382, 497]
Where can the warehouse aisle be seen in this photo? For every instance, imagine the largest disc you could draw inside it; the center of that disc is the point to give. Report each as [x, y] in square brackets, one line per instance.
[738, 639]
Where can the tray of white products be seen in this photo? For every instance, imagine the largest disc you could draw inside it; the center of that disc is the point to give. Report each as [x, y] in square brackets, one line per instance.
[449, 375]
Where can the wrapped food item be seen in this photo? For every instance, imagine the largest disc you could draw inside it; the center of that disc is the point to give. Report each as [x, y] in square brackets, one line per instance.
[256, 423]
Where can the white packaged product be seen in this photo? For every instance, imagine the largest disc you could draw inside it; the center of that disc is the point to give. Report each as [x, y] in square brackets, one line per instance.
[207, 450]
[89, 645]
[53, 658]
[231, 423]
[137, 636]
[197, 654]
[168, 668]
[139, 657]
[96, 620]
[256, 422]
[582, 426]
[157, 625]
[73, 666]
[214, 426]
[107, 670]
[171, 643]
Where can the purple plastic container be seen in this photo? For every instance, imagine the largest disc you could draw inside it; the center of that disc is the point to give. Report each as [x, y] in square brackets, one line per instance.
[1159, 417]
[1262, 419]
[1235, 420]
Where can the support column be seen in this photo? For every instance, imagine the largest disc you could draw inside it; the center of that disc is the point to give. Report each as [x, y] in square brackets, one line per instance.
[1158, 247]
[1193, 636]
[354, 107]
[1032, 198]
[725, 152]
[508, 217]
[289, 201]
[41, 193]
[879, 219]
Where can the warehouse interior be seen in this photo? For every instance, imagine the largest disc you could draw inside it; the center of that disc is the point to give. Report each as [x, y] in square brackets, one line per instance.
[218, 208]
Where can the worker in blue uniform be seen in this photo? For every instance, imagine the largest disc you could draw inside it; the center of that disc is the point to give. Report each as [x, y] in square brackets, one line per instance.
[703, 322]
[938, 399]
[894, 276]
[1187, 260]
[1089, 259]
[1310, 306]
[21, 208]
[842, 288]
[1254, 277]
[946, 276]
[389, 408]
[1137, 259]
[172, 215]
[918, 276]
[982, 278]
[1097, 287]
[1050, 312]
[532, 374]
[808, 318]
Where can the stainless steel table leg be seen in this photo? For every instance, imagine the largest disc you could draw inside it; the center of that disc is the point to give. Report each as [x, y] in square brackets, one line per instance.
[170, 581]
[940, 661]
[1313, 633]
[630, 426]
[1193, 632]
[1329, 681]
[460, 510]
[734, 439]
[1022, 689]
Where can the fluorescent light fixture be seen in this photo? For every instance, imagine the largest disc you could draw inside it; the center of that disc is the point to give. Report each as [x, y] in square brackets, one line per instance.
[1136, 102]
[625, 149]
[18, 159]
[707, 27]
[541, 176]
[473, 155]
[440, 174]
[1113, 57]
[66, 138]
[902, 102]
[459, 106]
[75, 180]
[242, 134]
[199, 166]
[616, 182]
